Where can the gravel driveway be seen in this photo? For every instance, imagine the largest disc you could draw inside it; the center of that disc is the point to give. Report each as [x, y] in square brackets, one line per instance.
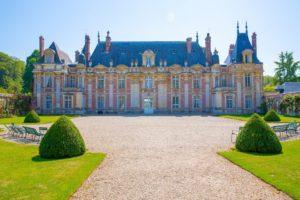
[166, 157]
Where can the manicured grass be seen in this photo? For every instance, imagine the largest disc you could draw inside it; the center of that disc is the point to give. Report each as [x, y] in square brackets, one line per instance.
[281, 170]
[284, 119]
[20, 119]
[25, 175]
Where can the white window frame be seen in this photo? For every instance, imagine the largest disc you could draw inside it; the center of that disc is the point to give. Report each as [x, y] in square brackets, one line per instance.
[101, 82]
[175, 82]
[121, 82]
[229, 102]
[68, 101]
[148, 82]
[248, 80]
[175, 102]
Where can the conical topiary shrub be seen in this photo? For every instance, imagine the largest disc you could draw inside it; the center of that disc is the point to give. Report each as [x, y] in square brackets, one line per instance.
[257, 136]
[62, 140]
[32, 117]
[272, 116]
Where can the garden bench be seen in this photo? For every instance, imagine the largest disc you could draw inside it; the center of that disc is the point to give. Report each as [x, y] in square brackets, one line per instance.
[18, 130]
[43, 130]
[33, 132]
[281, 130]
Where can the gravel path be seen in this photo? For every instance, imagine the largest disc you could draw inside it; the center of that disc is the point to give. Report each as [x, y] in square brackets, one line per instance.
[166, 157]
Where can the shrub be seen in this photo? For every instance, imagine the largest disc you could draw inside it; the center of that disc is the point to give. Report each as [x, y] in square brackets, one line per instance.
[32, 117]
[257, 136]
[272, 116]
[62, 140]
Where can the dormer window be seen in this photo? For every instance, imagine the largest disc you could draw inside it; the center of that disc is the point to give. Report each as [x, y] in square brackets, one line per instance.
[247, 56]
[148, 62]
[148, 58]
[49, 56]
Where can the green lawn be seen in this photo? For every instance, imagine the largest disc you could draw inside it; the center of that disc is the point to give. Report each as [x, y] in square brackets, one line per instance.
[284, 119]
[24, 175]
[45, 119]
[281, 170]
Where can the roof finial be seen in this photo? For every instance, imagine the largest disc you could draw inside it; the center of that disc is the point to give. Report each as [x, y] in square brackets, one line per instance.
[98, 37]
[246, 27]
[197, 37]
[107, 33]
[237, 27]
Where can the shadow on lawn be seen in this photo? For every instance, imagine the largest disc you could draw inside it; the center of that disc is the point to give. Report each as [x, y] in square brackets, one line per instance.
[38, 158]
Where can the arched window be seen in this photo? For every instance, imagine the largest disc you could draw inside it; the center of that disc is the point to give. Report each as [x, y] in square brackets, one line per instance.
[148, 62]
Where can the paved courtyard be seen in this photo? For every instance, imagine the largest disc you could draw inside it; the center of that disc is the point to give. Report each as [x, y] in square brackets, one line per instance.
[166, 157]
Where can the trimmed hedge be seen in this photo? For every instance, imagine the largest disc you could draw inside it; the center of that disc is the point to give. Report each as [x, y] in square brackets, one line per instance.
[62, 140]
[272, 116]
[32, 117]
[257, 136]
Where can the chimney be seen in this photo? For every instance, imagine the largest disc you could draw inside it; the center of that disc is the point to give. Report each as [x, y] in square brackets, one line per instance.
[231, 48]
[208, 48]
[87, 52]
[254, 42]
[107, 43]
[77, 53]
[41, 45]
[189, 45]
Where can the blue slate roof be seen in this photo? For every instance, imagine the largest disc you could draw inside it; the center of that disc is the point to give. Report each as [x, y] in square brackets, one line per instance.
[173, 52]
[242, 43]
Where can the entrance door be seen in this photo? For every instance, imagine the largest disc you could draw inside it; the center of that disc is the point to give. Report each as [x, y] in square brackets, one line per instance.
[148, 107]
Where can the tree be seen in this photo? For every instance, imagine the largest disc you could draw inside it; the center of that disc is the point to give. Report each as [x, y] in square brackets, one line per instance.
[11, 72]
[286, 70]
[28, 76]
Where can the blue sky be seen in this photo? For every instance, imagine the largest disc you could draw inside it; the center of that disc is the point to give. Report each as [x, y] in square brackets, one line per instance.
[66, 22]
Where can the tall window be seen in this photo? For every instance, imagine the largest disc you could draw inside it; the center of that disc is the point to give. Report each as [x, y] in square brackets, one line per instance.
[68, 101]
[196, 82]
[248, 101]
[196, 103]
[175, 82]
[223, 81]
[148, 82]
[48, 81]
[229, 103]
[216, 81]
[101, 82]
[71, 81]
[121, 82]
[121, 102]
[100, 102]
[175, 102]
[48, 102]
[81, 82]
[248, 80]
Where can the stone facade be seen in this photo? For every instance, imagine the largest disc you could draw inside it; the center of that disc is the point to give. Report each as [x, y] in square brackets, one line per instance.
[148, 85]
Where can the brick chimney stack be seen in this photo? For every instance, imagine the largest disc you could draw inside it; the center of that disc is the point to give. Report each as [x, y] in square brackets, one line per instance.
[87, 45]
[107, 43]
[41, 45]
[254, 42]
[208, 48]
[189, 45]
